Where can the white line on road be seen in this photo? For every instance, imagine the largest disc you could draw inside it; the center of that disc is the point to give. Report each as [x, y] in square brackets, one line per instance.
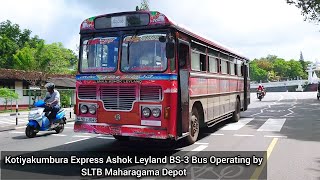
[201, 143]
[16, 132]
[76, 140]
[68, 127]
[272, 125]
[269, 106]
[238, 125]
[81, 136]
[200, 148]
[105, 137]
[275, 136]
[243, 135]
[21, 127]
[59, 135]
[217, 134]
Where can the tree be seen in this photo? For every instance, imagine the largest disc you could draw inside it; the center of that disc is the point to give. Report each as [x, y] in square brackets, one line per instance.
[310, 9]
[256, 73]
[12, 39]
[46, 58]
[7, 95]
[295, 69]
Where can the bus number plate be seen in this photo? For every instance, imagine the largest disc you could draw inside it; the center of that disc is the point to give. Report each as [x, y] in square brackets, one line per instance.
[115, 131]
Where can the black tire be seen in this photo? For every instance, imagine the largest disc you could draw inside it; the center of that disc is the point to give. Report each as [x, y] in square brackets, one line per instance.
[236, 113]
[121, 138]
[30, 132]
[318, 97]
[194, 127]
[260, 99]
[60, 128]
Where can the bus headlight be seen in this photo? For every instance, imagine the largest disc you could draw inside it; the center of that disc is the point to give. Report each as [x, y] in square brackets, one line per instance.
[83, 109]
[146, 112]
[156, 112]
[92, 109]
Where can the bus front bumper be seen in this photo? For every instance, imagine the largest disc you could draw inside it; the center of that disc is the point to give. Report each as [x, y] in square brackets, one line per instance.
[122, 130]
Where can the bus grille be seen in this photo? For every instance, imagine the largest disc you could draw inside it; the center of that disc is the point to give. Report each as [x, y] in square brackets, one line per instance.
[118, 97]
[87, 92]
[150, 93]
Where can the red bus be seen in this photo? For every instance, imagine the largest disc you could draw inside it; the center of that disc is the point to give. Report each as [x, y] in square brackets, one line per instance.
[141, 75]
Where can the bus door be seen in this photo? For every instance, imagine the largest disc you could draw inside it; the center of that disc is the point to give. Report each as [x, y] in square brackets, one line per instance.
[183, 90]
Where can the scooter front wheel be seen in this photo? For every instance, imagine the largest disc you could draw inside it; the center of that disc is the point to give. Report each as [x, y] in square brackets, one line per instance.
[30, 132]
[60, 128]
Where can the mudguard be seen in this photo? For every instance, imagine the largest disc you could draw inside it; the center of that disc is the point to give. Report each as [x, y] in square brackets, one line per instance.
[33, 123]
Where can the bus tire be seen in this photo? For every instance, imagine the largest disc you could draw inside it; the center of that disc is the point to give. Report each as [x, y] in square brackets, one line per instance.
[194, 126]
[236, 113]
[121, 138]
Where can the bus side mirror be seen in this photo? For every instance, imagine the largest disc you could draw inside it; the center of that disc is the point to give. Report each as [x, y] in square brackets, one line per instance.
[170, 50]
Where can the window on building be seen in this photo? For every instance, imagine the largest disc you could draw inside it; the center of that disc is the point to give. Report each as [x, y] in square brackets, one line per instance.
[10, 84]
[25, 88]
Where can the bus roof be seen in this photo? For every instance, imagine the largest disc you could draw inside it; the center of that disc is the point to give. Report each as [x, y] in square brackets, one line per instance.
[142, 19]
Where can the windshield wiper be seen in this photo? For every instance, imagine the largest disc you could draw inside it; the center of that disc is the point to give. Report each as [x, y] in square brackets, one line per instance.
[129, 44]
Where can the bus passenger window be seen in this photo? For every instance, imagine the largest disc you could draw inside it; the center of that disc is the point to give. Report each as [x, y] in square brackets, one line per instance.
[232, 70]
[239, 70]
[195, 61]
[213, 65]
[203, 64]
[224, 67]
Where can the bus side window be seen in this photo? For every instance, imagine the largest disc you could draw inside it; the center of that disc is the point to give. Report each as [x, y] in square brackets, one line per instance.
[203, 63]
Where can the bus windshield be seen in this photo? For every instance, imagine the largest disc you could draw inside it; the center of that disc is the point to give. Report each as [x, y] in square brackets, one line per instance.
[143, 53]
[99, 54]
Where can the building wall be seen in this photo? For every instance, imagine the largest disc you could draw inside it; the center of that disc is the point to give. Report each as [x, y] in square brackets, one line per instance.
[23, 101]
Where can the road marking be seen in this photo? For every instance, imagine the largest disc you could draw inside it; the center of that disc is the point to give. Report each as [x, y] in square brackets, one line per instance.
[68, 127]
[272, 125]
[217, 134]
[105, 137]
[259, 169]
[76, 140]
[59, 135]
[81, 136]
[21, 127]
[201, 143]
[16, 132]
[269, 106]
[200, 148]
[243, 135]
[270, 136]
[238, 125]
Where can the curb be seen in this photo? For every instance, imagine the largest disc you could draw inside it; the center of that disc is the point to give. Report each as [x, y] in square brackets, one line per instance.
[14, 127]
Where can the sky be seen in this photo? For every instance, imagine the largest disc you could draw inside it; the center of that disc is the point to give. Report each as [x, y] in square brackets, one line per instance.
[252, 28]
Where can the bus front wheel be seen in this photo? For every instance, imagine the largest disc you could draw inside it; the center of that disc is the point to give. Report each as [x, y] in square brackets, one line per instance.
[194, 127]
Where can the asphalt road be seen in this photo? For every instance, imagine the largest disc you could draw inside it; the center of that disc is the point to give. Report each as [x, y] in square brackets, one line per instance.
[286, 125]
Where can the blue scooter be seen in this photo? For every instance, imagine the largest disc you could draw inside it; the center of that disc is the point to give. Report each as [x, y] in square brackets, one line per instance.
[38, 120]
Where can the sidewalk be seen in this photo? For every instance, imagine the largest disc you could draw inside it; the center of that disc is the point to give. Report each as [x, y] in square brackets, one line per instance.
[8, 120]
